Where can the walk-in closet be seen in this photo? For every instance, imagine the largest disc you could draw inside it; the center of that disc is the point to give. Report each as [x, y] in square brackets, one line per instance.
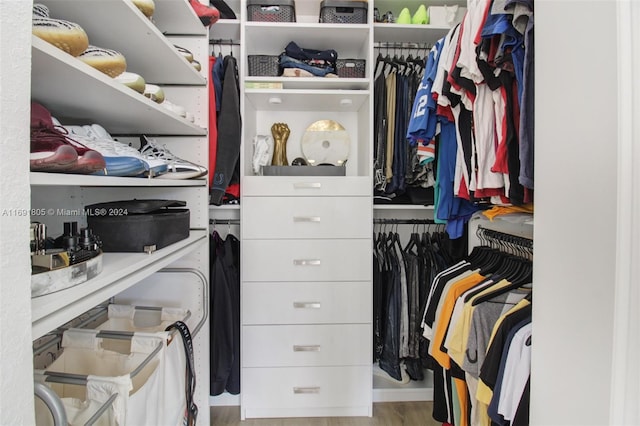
[324, 269]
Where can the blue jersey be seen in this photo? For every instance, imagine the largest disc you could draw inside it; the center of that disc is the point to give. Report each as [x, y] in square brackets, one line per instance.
[422, 125]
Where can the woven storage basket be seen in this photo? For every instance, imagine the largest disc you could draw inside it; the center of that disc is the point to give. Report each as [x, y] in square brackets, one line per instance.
[343, 12]
[264, 65]
[351, 68]
[271, 11]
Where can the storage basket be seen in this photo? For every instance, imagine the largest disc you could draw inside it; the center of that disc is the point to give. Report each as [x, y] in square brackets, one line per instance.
[351, 68]
[271, 11]
[343, 12]
[264, 65]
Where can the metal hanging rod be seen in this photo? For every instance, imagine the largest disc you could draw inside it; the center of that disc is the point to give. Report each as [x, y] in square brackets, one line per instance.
[224, 222]
[401, 45]
[224, 41]
[404, 221]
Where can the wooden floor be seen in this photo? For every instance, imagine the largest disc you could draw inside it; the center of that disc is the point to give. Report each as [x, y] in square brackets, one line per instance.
[384, 414]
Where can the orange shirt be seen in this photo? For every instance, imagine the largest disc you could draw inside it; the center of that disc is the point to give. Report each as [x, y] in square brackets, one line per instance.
[449, 301]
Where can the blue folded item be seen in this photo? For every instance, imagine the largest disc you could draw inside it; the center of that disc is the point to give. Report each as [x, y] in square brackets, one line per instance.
[318, 71]
[296, 52]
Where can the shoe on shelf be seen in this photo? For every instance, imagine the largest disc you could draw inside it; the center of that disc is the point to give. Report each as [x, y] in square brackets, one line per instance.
[103, 140]
[107, 61]
[147, 7]
[132, 80]
[54, 150]
[40, 11]
[184, 52]
[421, 17]
[177, 167]
[404, 17]
[154, 92]
[208, 15]
[65, 35]
[196, 65]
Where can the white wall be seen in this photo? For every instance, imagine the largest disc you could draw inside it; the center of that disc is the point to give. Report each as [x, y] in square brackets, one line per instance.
[16, 374]
[575, 217]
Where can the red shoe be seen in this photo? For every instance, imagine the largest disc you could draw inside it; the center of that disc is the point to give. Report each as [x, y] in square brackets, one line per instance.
[52, 150]
[208, 15]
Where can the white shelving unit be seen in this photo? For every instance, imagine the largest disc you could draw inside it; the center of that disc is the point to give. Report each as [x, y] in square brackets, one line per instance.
[76, 93]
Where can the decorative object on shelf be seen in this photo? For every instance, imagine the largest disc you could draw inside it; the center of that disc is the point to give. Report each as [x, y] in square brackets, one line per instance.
[280, 132]
[326, 142]
[343, 12]
[262, 152]
[139, 225]
[71, 259]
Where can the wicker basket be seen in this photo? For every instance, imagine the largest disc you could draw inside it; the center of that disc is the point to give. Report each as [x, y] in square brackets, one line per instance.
[264, 65]
[271, 11]
[343, 12]
[351, 68]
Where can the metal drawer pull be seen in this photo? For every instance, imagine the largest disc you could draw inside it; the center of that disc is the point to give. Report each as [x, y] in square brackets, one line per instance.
[306, 262]
[306, 305]
[306, 219]
[313, 389]
[306, 185]
[306, 348]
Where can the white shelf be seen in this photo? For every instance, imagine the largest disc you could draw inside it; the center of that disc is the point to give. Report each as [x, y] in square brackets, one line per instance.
[401, 207]
[386, 389]
[267, 38]
[299, 100]
[225, 29]
[119, 272]
[73, 90]
[312, 83]
[63, 179]
[396, 33]
[172, 17]
[146, 49]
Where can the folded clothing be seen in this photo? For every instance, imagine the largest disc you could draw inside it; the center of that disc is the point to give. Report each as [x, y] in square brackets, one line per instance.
[294, 51]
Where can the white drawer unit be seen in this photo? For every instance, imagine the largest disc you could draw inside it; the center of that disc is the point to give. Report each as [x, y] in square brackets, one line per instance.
[300, 186]
[307, 260]
[306, 391]
[306, 345]
[306, 217]
[306, 302]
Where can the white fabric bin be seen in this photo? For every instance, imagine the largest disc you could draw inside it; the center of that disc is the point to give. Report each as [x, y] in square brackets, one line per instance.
[152, 395]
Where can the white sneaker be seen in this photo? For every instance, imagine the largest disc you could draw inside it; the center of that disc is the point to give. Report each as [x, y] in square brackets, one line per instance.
[177, 167]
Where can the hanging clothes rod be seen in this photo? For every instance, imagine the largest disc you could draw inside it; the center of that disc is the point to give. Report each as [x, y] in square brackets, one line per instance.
[401, 45]
[224, 41]
[224, 222]
[404, 221]
[498, 237]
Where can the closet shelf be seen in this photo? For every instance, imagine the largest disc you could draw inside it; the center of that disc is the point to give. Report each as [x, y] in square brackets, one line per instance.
[225, 29]
[312, 84]
[62, 179]
[147, 51]
[299, 99]
[74, 90]
[177, 18]
[401, 207]
[266, 38]
[396, 33]
[120, 271]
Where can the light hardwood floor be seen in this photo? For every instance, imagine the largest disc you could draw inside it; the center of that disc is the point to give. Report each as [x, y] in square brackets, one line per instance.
[384, 414]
